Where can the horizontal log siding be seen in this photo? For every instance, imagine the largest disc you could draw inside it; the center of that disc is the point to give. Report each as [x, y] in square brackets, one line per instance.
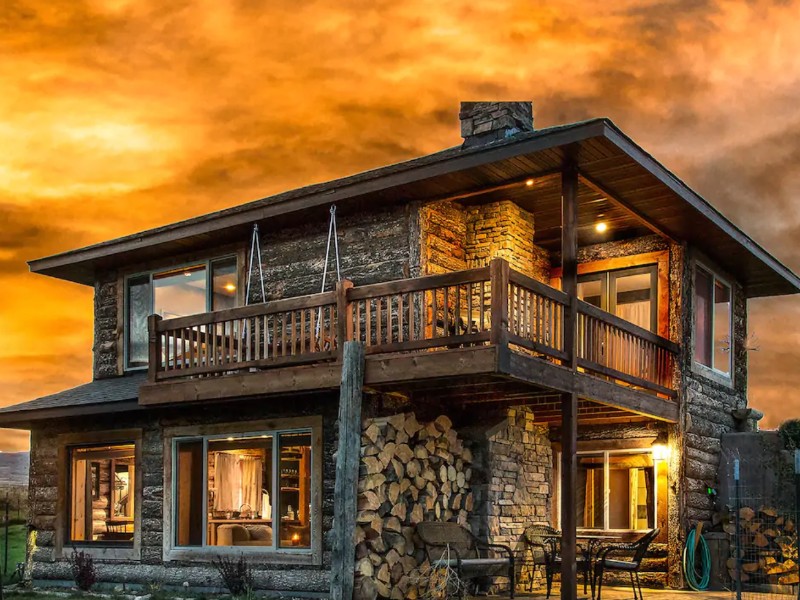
[43, 495]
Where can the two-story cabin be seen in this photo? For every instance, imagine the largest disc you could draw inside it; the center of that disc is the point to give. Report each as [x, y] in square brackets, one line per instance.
[554, 329]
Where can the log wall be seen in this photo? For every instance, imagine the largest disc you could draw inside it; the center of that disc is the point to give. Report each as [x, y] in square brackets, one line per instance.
[107, 325]
[43, 496]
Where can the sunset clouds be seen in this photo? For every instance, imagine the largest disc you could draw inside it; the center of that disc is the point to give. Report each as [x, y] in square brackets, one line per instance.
[119, 115]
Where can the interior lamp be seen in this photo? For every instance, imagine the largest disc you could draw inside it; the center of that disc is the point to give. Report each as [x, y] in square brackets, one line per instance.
[660, 447]
[601, 227]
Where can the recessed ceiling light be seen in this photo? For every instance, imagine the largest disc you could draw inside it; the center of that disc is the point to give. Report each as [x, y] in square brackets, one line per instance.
[601, 227]
[529, 182]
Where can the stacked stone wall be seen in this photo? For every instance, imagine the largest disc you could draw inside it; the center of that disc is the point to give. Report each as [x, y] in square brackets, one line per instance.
[514, 485]
[107, 325]
[504, 230]
[443, 233]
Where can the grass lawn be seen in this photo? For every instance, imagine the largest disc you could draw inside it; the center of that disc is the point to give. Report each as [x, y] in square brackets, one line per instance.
[16, 547]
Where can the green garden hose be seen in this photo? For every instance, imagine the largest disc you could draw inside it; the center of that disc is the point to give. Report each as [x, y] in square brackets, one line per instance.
[698, 580]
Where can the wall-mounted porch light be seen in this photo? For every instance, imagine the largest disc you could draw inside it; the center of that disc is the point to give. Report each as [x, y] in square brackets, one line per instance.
[660, 447]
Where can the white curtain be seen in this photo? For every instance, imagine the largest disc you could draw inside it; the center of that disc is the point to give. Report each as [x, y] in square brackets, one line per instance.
[637, 313]
[250, 467]
[227, 482]
[237, 481]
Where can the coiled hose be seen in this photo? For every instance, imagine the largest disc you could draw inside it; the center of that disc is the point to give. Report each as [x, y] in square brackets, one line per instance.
[697, 580]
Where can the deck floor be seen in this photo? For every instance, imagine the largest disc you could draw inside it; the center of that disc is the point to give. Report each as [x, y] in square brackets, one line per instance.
[622, 593]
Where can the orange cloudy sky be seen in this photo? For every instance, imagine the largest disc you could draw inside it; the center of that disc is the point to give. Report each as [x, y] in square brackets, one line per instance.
[119, 115]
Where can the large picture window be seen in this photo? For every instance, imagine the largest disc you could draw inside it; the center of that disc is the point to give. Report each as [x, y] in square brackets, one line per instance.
[102, 494]
[244, 490]
[712, 321]
[188, 290]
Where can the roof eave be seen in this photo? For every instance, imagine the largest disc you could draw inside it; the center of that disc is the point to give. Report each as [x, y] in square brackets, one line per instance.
[75, 265]
[674, 183]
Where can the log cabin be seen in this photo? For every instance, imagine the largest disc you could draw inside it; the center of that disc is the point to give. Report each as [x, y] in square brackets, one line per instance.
[534, 326]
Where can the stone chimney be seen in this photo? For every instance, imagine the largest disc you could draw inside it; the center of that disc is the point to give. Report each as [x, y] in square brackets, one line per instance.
[487, 122]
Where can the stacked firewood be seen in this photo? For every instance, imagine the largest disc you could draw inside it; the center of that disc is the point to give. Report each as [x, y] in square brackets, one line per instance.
[410, 472]
[767, 547]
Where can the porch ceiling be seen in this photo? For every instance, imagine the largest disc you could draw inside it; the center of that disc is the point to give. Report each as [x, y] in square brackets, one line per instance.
[603, 153]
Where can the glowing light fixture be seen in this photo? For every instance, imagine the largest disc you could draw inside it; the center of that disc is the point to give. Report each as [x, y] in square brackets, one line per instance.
[230, 439]
[601, 227]
[529, 183]
[660, 447]
[229, 287]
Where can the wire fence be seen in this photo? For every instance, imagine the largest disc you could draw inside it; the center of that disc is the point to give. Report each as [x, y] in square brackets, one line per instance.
[762, 525]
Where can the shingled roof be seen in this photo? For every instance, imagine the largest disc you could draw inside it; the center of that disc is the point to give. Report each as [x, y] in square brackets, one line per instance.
[115, 394]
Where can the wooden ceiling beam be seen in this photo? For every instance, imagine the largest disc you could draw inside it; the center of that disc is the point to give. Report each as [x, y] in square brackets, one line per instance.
[614, 198]
[538, 180]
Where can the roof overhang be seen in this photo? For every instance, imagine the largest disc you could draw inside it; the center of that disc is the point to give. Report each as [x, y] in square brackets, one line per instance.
[603, 152]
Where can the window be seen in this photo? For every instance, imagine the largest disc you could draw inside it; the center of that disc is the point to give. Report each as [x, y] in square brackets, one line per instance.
[244, 490]
[616, 490]
[188, 290]
[628, 293]
[712, 321]
[102, 494]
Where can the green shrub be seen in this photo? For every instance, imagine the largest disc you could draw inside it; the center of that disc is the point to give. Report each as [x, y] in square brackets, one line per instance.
[790, 433]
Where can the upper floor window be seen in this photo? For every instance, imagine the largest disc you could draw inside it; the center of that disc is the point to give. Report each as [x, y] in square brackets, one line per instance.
[188, 290]
[628, 293]
[712, 321]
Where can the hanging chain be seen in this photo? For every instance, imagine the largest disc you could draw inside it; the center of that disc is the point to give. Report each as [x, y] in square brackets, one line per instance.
[255, 254]
[332, 235]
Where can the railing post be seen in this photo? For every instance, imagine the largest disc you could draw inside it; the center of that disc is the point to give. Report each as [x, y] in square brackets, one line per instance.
[153, 347]
[498, 276]
[344, 317]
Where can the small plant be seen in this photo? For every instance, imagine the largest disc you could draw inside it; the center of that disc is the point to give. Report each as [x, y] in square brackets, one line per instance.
[83, 571]
[790, 433]
[236, 575]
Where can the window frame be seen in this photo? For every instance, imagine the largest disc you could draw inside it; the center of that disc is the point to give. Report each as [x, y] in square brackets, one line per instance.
[608, 290]
[711, 370]
[150, 273]
[605, 452]
[102, 550]
[273, 554]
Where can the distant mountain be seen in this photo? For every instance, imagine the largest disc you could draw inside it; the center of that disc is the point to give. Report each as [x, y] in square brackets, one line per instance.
[14, 468]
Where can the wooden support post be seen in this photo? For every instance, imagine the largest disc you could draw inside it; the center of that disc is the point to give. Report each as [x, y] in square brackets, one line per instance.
[347, 460]
[154, 347]
[344, 316]
[498, 274]
[569, 402]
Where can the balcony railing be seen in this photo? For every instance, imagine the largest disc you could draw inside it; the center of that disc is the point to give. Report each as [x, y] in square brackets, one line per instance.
[490, 305]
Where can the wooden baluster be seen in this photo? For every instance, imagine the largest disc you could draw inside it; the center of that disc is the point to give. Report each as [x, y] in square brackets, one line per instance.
[378, 321]
[412, 304]
[358, 321]
[332, 325]
[368, 321]
[389, 328]
[435, 315]
[482, 306]
[400, 318]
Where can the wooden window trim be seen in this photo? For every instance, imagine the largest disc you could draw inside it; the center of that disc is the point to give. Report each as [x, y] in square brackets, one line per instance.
[206, 554]
[96, 550]
[659, 258]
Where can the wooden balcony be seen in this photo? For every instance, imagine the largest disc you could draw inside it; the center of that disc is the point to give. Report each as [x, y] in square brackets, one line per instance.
[411, 329]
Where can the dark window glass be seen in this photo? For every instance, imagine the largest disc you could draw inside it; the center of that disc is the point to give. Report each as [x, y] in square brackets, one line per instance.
[295, 490]
[703, 292]
[189, 493]
[139, 308]
[722, 327]
[224, 283]
[590, 491]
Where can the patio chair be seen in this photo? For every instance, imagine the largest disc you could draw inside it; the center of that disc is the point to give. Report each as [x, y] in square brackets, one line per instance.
[451, 545]
[544, 543]
[631, 563]
[540, 541]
